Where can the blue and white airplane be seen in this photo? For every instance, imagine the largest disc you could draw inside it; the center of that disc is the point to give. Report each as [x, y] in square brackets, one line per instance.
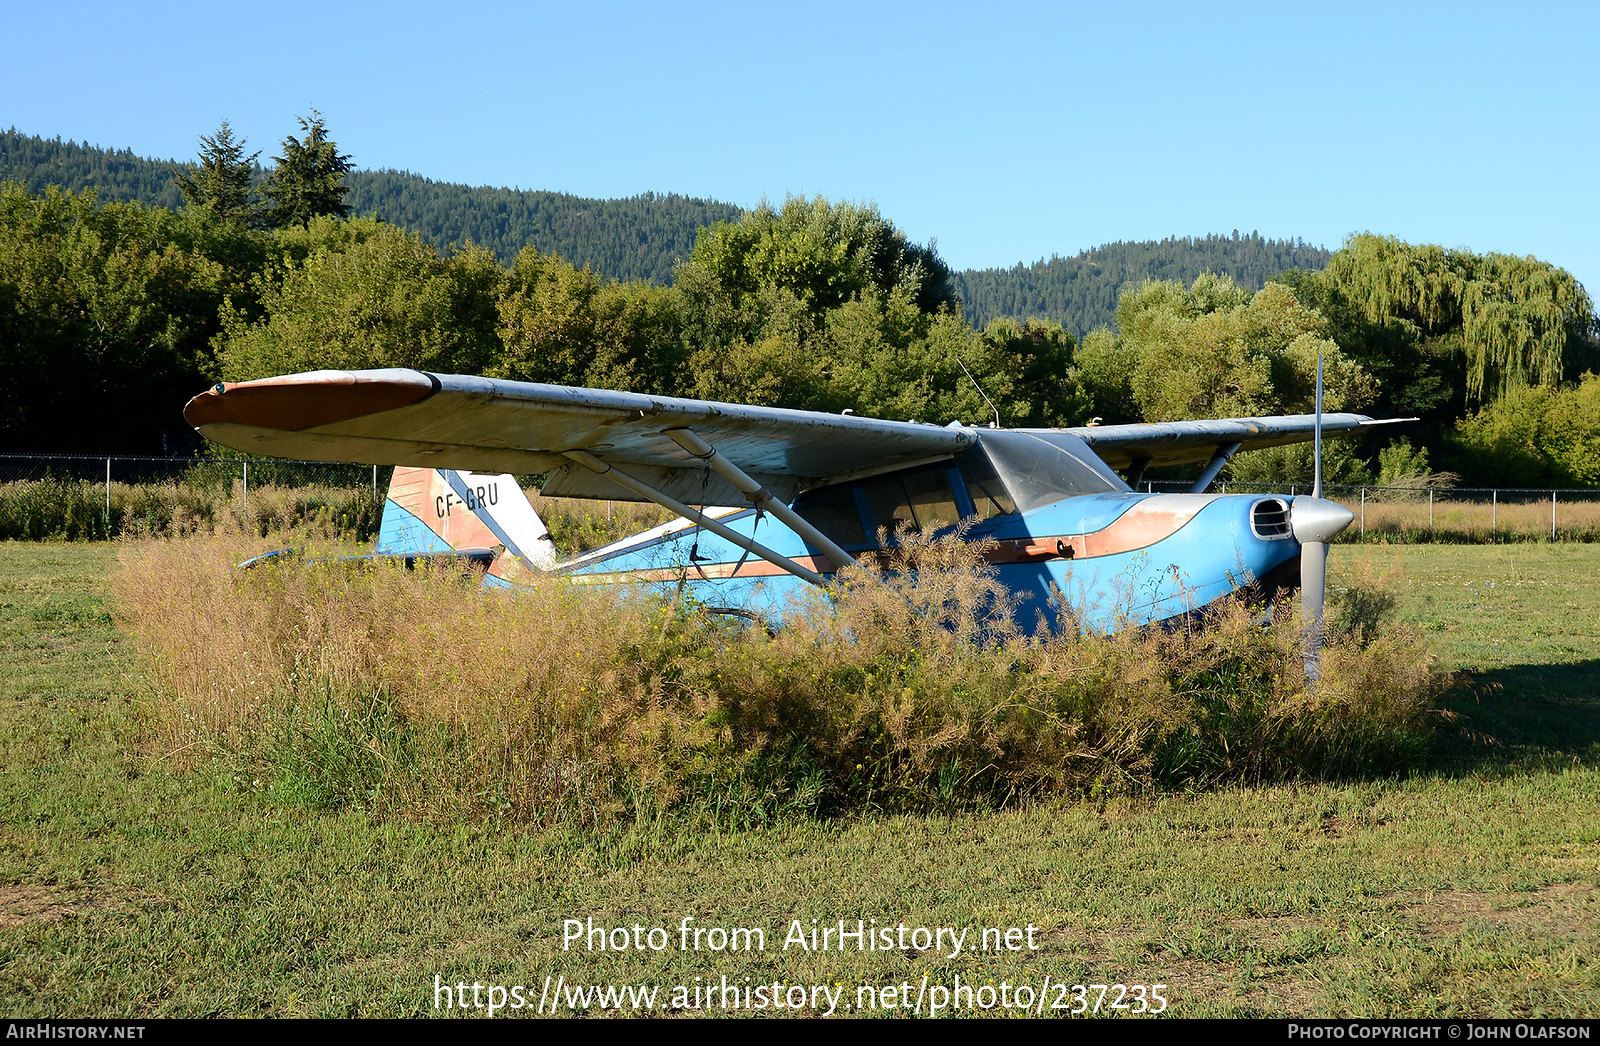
[804, 494]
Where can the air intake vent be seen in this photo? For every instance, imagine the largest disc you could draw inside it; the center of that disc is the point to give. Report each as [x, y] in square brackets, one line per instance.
[1269, 518]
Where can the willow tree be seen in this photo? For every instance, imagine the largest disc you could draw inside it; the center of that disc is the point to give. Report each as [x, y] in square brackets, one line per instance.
[1510, 322]
[1535, 435]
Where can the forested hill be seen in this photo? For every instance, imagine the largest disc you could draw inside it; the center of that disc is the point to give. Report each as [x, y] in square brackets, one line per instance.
[1080, 292]
[643, 237]
[119, 175]
[638, 238]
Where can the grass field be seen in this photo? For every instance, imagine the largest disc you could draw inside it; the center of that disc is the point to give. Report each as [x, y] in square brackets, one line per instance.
[1466, 888]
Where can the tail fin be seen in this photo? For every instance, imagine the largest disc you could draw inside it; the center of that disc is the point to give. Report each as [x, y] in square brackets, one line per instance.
[440, 511]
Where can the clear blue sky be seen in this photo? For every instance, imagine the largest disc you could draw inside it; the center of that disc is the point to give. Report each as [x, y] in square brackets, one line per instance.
[1008, 132]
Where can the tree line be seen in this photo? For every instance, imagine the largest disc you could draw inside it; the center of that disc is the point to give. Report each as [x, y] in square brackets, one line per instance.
[645, 237]
[112, 314]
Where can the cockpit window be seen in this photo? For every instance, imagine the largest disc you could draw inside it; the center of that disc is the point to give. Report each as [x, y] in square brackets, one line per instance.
[989, 497]
[1006, 473]
[921, 498]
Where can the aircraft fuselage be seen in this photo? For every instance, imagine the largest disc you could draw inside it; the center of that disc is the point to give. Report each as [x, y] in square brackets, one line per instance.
[1103, 561]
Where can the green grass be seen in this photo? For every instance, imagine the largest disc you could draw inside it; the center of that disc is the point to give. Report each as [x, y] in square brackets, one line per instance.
[1466, 888]
[1525, 620]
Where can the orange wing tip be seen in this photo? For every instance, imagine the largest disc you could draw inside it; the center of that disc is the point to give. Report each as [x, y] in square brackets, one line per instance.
[296, 402]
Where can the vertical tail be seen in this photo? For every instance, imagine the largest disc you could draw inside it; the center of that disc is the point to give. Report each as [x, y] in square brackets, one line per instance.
[440, 511]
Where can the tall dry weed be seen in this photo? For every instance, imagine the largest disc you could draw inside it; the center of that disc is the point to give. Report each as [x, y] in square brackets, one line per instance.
[907, 686]
[579, 525]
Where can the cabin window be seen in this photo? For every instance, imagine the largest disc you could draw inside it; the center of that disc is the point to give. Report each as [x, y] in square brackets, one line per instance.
[1008, 472]
[836, 512]
[921, 498]
[930, 497]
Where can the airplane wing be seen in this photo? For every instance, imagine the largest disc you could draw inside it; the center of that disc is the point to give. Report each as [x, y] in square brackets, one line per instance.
[1187, 442]
[408, 417]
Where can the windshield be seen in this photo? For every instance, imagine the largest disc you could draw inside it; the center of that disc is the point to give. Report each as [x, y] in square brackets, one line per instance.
[1038, 468]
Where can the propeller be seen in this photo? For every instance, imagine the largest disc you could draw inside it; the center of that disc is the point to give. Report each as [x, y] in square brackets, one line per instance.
[1314, 521]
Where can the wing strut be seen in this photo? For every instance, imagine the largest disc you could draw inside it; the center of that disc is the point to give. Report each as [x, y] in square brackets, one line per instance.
[760, 496]
[693, 515]
[1219, 459]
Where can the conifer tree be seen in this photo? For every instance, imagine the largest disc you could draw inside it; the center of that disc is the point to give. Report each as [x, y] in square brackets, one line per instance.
[308, 180]
[220, 181]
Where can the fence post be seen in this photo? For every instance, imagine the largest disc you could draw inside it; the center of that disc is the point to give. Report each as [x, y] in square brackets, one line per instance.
[1430, 513]
[1363, 513]
[1494, 513]
[374, 484]
[245, 512]
[108, 498]
[1552, 515]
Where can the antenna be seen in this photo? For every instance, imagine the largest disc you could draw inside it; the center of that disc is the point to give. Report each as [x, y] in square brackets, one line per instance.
[986, 399]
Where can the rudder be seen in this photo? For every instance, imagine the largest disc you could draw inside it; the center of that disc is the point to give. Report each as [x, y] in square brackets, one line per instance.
[440, 511]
